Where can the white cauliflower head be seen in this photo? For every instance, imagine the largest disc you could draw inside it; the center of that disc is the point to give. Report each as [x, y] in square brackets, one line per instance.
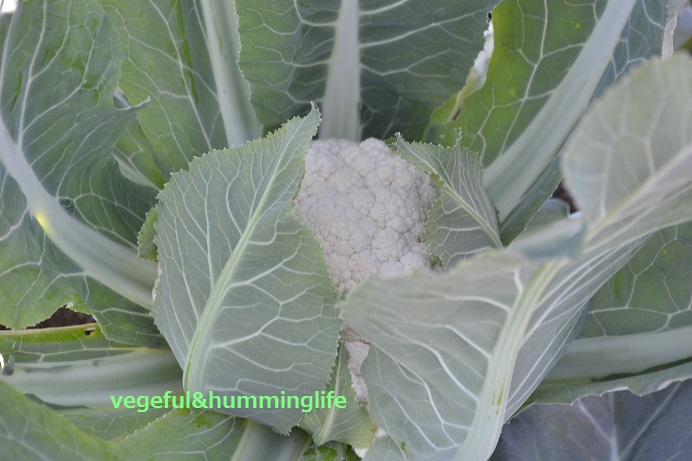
[367, 208]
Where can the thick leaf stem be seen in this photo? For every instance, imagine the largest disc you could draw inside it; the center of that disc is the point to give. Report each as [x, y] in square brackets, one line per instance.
[90, 382]
[341, 102]
[492, 401]
[527, 158]
[233, 92]
[609, 355]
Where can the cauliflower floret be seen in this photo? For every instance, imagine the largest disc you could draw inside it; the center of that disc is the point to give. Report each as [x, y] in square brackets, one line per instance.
[367, 208]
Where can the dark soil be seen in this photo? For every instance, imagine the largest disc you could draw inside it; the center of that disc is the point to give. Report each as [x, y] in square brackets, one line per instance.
[61, 318]
[562, 193]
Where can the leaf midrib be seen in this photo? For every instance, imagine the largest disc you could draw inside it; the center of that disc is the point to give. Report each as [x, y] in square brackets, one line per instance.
[196, 358]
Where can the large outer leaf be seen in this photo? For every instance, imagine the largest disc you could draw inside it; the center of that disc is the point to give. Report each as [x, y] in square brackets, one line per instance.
[442, 352]
[69, 218]
[376, 67]
[244, 297]
[75, 370]
[433, 391]
[550, 60]
[78, 367]
[183, 55]
[628, 166]
[616, 426]
[629, 163]
[30, 431]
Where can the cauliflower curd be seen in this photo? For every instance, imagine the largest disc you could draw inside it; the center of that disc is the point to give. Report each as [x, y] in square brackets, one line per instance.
[367, 208]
